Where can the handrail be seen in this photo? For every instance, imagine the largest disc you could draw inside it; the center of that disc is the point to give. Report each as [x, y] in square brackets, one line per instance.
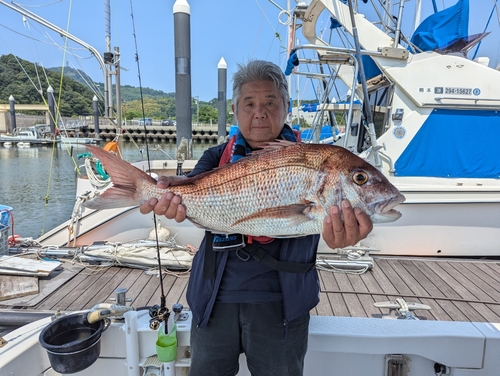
[468, 99]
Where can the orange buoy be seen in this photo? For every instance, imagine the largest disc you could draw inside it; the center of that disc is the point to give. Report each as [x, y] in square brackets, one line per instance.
[111, 146]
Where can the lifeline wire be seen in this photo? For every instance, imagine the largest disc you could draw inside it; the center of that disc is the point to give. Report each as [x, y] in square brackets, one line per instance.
[163, 297]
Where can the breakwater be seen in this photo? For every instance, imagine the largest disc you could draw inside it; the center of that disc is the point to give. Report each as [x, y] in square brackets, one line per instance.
[153, 133]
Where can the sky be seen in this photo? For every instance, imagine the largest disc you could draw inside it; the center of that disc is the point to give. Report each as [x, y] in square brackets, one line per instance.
[236, 30]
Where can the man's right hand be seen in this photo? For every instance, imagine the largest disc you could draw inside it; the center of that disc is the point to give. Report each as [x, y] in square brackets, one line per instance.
[169, 205]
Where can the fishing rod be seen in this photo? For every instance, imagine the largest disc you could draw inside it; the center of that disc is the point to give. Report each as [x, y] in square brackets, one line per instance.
[157, 313]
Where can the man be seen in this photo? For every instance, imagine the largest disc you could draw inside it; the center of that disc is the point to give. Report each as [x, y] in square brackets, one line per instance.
[247, 304]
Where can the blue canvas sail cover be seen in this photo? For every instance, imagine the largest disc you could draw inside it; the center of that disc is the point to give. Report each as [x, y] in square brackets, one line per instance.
[444, 28]
[310, 107]
[454, 144]
[370, 68]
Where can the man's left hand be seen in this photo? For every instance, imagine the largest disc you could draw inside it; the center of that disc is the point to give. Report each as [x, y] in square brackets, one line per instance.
[356, 226]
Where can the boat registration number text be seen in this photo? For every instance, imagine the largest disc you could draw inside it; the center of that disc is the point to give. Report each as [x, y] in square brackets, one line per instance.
[458, 90]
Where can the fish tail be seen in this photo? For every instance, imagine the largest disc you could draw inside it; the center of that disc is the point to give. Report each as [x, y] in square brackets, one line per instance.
[127, 182]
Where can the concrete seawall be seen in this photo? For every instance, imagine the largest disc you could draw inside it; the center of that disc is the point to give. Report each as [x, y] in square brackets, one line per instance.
[154, 133]
[131, 131]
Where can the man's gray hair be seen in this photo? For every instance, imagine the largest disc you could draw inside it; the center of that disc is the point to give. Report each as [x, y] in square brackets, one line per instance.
[259, 70]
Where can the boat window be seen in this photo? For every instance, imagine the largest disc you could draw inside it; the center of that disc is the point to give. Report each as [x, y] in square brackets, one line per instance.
[380, 100]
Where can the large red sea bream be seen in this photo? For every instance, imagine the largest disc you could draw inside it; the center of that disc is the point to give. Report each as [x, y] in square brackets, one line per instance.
[284, 190]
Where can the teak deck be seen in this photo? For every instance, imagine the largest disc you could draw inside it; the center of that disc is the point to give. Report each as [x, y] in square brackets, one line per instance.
[455, 289]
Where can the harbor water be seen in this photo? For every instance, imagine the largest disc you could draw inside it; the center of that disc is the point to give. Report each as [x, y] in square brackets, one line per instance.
[39, 182]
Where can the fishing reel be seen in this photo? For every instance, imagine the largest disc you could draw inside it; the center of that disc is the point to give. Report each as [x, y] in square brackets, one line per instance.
[158, 315]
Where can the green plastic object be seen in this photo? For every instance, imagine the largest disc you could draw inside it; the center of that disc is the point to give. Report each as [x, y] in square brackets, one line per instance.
[166, 345]
[84, 155]
[100, 170]
[98, 166]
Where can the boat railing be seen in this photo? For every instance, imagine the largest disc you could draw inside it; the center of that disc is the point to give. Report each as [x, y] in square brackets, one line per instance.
[336, 58]
[493, 102]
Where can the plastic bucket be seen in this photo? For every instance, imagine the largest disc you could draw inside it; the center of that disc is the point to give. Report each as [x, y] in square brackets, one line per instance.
[5, 215]
[72, 343]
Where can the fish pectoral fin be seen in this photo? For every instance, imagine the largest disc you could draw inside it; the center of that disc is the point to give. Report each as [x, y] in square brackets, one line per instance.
[296, 213]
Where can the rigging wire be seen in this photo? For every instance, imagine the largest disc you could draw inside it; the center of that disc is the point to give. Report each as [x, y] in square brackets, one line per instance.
[39, 5]
[39, 89]
[95, 89]
[63, 61]
[486, 27]
[88, 81]
[27, 36]
[57, 116]
[163, 296]
[69, 50]
[259, 31]
[276, 32]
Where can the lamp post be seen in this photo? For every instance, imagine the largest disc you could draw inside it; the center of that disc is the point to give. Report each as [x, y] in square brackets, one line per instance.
[197, 99]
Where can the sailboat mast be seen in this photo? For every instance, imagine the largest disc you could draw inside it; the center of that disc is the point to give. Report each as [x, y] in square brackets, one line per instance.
[108, 58]
[290, 36]
[418, 14]
[366, 101]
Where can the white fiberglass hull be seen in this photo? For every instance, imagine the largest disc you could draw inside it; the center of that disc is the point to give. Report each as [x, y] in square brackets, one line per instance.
[78, 140]
[337, 346]
[442, 223]
[439, 219]
[425, 229]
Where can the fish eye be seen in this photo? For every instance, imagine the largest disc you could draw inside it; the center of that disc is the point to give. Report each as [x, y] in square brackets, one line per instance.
[360, 177]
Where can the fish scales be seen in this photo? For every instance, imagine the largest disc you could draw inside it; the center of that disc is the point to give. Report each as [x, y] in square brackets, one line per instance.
[284, 178]
[284, 190]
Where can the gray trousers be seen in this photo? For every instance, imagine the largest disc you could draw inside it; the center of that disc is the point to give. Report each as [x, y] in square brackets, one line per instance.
[271, 347]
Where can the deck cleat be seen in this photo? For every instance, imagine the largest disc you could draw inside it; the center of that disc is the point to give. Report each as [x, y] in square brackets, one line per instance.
[400, 309]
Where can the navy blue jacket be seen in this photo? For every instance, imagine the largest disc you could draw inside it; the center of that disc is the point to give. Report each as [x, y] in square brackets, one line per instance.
[300, 291]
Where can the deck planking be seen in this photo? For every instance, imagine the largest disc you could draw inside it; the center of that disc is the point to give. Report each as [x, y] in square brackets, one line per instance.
[455, 289]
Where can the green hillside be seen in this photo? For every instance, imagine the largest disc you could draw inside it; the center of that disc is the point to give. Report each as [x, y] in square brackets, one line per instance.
[128, 93]
[18, 78]
[28, 83]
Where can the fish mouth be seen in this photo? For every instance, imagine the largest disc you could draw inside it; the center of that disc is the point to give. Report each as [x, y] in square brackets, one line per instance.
[383, 211]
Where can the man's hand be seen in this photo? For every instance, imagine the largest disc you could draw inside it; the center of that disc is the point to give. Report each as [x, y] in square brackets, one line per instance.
[169, 205]
[356, 226]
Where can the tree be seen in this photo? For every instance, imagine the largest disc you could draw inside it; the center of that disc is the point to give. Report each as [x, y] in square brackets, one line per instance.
[208, 114]
[18, 78]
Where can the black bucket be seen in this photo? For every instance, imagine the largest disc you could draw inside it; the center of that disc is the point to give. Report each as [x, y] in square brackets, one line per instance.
[72, 343]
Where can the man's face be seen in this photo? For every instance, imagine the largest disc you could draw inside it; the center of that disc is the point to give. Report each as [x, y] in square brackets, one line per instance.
[260, 113]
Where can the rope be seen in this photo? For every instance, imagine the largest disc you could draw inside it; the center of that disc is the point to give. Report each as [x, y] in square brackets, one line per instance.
[165, 272]
[94, 177]
[331, 268]
[76, 215]
[173, 255]
[352, 254]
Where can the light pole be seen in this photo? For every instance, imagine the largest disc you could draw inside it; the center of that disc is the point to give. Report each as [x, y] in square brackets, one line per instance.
[197, 98]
